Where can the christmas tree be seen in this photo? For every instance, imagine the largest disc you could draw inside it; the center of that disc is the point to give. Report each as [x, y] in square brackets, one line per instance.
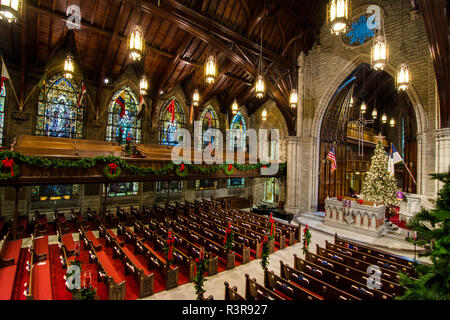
[379, 186]
[433, 228]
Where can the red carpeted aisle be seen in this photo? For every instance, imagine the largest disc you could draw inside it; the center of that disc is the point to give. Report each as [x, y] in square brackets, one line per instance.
[22, 275]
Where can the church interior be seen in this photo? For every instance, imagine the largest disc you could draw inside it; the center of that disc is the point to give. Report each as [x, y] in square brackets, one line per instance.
[323, 122]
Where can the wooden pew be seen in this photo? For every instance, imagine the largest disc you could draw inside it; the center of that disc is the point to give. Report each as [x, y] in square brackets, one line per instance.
[388, 275]
[255, 291]
[355, 287]
[89, 238]
[10, 251]
[375, 252]
[313, 284]
[110, 236]
[133, 266]
[231, 293]
[393, 266]
[293, 291]
[40, 284]
[41, 248]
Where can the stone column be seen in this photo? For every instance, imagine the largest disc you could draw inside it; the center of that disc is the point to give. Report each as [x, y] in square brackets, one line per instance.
[292, 175]
[442, 137]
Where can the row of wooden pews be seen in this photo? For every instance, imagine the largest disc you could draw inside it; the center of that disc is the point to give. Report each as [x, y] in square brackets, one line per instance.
[9, 256]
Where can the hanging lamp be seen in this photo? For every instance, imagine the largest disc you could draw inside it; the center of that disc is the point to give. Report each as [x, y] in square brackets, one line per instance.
[195, 98]
[259, 84]
[68, 67]
[338, 13]
[234, 107]
[9, 10]
[210, 69]
[143, 85]
[403, 75]
[136, 43]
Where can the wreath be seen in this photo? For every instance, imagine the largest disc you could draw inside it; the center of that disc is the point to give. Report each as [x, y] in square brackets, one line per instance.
[8, 169]
[181, 171]
[229, 170]
[112, 171]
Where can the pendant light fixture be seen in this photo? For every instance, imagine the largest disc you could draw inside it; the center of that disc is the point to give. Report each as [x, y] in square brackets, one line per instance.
[338, 13]
[293, 98]
[264, 115]
[143, 85]
[210, 68]
[234, 107]
[374, 113]
[259, 85]
[363, 107]
[392, 123]
[384, 118]
[136, 43]
[9, 10]
[379, 54]
[195, 98]
[403, 75]
[68, 67]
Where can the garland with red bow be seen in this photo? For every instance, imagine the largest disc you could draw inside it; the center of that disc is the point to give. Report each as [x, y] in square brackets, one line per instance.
[306, 239]
[168, 248]
[8, 169]
[112, 171]
[272, 227]
[229, 170]
[201, 266]
[181, 171]
[264, 253]
[229, 238]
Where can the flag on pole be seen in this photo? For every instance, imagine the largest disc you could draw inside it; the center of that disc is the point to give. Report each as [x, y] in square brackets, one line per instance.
[4, 76]
[332, 157]
[394, 158]
[120, 100]
[141, 103]
[171, 109]
[81, 95]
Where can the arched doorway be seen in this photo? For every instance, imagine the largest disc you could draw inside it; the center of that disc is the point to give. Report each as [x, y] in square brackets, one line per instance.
[353, 148]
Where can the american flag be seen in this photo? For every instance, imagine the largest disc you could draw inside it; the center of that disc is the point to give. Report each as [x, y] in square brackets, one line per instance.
[332, 157]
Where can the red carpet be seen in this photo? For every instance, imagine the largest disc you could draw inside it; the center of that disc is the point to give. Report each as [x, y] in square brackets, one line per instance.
[22, 275]
[400, 223]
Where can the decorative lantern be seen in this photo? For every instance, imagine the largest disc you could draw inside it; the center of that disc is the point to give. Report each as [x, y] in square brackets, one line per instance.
[374, 113]
[143, 85]
[195, 98]
[9, 10]
[259, 87]
[392, 123]
[338, 12]
[136, 43]
[234, 107]
[363, 108]
[68, 67]
[293, 99]
[264, 115]
[384, 118]
[210, 69]
[403, 77]
[379, 53]
[352, 101]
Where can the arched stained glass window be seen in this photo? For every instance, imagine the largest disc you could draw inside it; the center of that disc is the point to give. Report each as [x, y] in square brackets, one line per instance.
[129, 125]
[58, 114]
[209, 120]
[2, 112]
[55, 192]
[238, 123]
[171, 119]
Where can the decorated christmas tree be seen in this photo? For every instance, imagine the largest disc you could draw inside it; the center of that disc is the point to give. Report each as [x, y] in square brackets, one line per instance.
[433, 228]
[379, 186]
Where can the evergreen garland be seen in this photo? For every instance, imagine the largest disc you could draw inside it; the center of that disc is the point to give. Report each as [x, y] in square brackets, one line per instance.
[265, 254]
[306, 239]
[107, 172]
[199, 279]
[229, 244]
[433, 228]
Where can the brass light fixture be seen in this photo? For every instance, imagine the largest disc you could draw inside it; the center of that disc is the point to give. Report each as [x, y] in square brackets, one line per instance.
[259, 84]
[384, 118]
[379, 54]
[136, 43]
[392, 123]
[264, 115]
[374, 113]
[363, 107]
[234, 107]
[196, 98]
[210, 69]
[293, 99]
[403, 75]
[143, 85]
[9, 10]
[338, 12]
[68, 67]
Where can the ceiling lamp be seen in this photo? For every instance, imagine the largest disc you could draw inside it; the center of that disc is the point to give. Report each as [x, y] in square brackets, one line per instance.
[210, 69]
[379, 52]
[338, 15]
[264, 115]
[143, 85]
[363, 108]
[403, 76]
[136, 43]
[260, 87]
[392, 123]
[234, 107]
[293, 99]
[68, 67]
[9, 10]
[195, 98]
[374, 113]
[384, 118]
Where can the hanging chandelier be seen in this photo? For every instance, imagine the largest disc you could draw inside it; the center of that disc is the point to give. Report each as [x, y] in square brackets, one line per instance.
[143, 85]
[374, 113]
[363, 107]
[403, 76]
[384, 118]
[264, 115]
[338, 12]
[136, 43]
[392, 123]
[9, 10]
[293, 99]
[259, 87]
[195, 98]
[210, 69]
[234, 107]
[68, 67]
[379, 52]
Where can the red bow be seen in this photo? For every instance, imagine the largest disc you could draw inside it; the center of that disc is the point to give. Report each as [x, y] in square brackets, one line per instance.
[112, 166]
[271, 225]
[128, 139]
[198, 261]
[230, 167]
[227, 233]
[182, 167]
[306, 228]
[9, 163]
[264, 166]
[170, 241]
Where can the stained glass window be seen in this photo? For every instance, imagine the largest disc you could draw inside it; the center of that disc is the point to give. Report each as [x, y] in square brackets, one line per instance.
[236, 183]
[55, 192]
[2, 112]
[209, 120]
[122, 189]
[205, 184]
[127, 126]
[238, 123]
[167, 127]
[174, 186]
[359, 33]
[270, 190]
[58, 115]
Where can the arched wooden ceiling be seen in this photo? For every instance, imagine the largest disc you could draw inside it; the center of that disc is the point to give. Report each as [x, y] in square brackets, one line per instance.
[179, 35]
